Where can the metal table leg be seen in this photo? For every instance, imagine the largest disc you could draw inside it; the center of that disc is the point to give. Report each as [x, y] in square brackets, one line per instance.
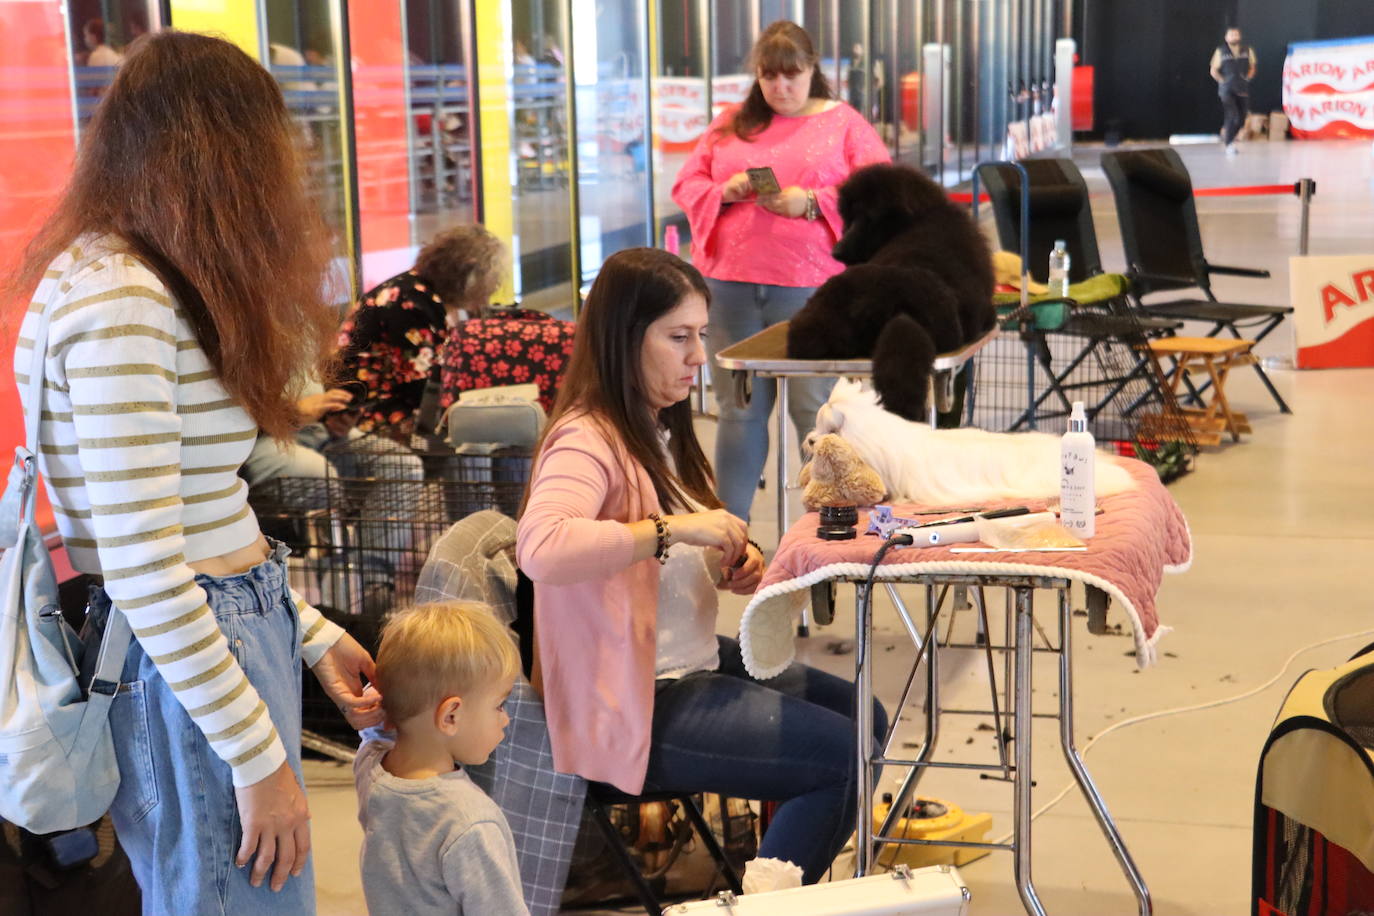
[1080, 772]
[1021, 816]
[929, 645]
[783, 448]
[863, 729]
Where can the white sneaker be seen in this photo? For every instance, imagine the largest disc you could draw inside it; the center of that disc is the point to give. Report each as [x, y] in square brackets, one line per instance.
[1231, 149]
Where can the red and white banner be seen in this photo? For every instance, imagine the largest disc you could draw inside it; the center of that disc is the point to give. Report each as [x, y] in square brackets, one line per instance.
[681, 106]
[1333, 310]
[1328, 88]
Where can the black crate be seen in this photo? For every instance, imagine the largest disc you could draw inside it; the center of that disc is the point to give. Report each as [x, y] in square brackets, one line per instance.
[1043, 360]
[360, 536]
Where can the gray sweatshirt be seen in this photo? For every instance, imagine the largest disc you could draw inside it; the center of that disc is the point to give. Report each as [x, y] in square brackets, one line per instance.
[432, 846]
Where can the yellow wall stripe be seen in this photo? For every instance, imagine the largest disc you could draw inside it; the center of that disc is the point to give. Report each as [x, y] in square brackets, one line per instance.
[492, 28]
[234, 20]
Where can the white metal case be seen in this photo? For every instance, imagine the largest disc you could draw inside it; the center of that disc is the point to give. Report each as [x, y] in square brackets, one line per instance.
[934, 891]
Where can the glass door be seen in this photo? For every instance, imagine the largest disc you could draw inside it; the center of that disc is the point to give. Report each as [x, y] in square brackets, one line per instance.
[610, 73]
[100, 32]
[539, 152]
[683, 99]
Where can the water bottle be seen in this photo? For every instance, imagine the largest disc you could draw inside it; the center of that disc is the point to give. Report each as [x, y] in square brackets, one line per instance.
[1059, 270]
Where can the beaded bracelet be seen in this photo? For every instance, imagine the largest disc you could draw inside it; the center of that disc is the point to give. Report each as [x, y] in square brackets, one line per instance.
[813, 209]
[662, 532]
[744, 557]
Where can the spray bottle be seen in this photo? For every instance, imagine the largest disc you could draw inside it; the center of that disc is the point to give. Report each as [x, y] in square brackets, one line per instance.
[1077, 498]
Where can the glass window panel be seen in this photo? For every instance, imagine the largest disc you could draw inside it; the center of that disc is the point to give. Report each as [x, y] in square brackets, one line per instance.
[443, 172]
[681, 105]
[303, 55]
[609, 49]
[100, 32]
[378, 64]
[538, 93]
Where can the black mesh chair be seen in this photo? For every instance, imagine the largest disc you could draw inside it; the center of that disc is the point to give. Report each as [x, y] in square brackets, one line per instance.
[1059, 209]
[1106, 367]
[1159, 230]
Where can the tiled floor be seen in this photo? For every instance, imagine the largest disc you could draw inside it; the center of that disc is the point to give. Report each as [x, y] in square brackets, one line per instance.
[1282, 525]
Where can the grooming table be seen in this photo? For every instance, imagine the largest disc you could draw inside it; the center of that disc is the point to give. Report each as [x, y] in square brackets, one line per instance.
[765, 355]
[1141, 535]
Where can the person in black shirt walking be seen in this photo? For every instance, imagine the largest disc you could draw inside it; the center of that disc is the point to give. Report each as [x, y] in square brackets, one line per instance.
[1233, 67]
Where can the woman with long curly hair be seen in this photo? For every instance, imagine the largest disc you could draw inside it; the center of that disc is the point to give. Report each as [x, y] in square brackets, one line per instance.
[181, 273]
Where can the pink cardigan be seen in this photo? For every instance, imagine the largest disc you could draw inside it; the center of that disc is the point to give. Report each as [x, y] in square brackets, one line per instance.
[595, 612]
[746, 243]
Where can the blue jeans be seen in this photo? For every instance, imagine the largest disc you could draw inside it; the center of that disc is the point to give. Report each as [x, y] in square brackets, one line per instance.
[739, 310]
[789, 739]
[175, 813]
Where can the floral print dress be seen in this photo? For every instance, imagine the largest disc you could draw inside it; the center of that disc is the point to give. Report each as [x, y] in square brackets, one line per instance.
[389, 342]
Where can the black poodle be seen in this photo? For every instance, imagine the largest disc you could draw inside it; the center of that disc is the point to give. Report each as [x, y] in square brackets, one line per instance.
[919, 284]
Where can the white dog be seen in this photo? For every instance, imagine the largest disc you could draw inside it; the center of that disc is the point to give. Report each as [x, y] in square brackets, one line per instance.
[951, 467]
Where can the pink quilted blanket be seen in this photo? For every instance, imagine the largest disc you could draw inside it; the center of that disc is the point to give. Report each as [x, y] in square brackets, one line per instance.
[1141, 535]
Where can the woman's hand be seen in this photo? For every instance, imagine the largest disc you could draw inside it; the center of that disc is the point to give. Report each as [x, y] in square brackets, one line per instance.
[340, 424]
[340, 672]
[744, 579]
[314, 406]
[717, 528]
[276, 827]
[789, 202]
[736, 188]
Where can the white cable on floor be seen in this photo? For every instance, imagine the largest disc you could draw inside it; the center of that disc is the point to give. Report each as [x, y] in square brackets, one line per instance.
[1210, 704]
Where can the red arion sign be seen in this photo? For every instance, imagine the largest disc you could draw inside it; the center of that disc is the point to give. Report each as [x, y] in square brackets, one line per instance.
[1333, 300]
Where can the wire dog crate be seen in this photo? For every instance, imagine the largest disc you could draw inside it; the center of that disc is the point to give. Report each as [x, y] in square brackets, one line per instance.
[1050, 355]
[360, 535]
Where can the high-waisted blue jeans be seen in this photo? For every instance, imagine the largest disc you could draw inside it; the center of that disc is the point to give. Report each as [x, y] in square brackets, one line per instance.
[175, 813]
[739, 310]
[789, 739]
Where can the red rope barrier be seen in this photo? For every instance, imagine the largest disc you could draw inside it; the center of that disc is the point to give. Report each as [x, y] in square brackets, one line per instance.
[1247, 190]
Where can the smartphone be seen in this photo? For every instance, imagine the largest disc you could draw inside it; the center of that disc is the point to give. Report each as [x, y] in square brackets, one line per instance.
[763, 181]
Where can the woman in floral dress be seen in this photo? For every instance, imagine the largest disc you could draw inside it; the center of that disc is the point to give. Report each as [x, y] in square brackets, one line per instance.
[391, 339]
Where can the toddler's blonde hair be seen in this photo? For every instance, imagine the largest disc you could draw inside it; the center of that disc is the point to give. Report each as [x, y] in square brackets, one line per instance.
[432, 651]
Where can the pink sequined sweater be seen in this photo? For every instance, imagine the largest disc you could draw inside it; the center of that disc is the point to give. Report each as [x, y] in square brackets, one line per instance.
[748, 244]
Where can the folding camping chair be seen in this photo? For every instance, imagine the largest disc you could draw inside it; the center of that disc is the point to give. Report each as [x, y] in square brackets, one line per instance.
[1091, 346]
[1159, 230]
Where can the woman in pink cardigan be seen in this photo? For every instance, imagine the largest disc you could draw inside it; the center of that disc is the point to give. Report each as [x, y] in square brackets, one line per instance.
[627, 546]
[763, 256]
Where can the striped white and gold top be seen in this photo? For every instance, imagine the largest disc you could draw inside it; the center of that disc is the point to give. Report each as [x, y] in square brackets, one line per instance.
[140, 448]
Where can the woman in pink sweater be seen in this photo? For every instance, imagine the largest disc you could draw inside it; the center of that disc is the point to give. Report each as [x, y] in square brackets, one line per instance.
[763, 256]
[627, 546]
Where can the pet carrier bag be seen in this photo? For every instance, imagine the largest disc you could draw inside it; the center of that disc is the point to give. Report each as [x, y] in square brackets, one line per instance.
[57, 761]
[1314, 798]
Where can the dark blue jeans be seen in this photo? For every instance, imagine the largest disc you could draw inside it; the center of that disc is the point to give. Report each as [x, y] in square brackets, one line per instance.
[789, 739]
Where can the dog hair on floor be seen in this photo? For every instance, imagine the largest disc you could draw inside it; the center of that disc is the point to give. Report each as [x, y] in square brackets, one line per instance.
[951, 467]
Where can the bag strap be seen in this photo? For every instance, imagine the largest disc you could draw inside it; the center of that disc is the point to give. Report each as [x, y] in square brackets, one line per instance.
[115, 644]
